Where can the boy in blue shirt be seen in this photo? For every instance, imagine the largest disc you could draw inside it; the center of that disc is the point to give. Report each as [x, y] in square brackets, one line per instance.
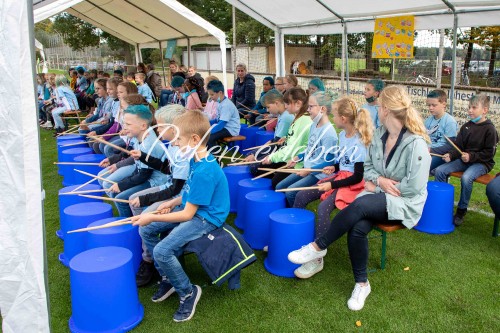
[202, 207]
[143, 87]
[373, 88]
[439, 125]
[227, 120]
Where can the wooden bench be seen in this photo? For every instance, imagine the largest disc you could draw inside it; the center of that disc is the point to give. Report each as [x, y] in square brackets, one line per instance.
[484, 179]
[230, 140]
[384, 229]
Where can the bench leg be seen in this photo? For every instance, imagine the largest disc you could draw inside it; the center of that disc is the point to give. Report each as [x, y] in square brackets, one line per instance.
[495, 226]
[384, 249]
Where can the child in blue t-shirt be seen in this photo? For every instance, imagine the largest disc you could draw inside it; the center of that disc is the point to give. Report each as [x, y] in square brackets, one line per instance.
[202, 207]
[320, 147]
[373, 88]
[227, 122]
[439, 125]
[143, 87]
[346, 175]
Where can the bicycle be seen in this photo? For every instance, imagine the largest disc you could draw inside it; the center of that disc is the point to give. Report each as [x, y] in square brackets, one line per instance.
[493, 81]
[421, 79]
[464, 78]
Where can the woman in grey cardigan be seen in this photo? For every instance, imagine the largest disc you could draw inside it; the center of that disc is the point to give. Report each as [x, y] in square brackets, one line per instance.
[396, 173]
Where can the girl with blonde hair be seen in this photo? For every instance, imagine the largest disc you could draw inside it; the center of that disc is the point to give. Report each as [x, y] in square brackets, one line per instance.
[395, 173]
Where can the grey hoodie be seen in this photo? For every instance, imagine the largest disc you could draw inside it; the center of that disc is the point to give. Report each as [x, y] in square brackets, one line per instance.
[409, 166]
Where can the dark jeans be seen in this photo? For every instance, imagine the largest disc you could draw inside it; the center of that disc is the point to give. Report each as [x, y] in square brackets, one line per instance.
[493, 194]
[325, 207]
[165, 94]
[214, 137]
[357, 221]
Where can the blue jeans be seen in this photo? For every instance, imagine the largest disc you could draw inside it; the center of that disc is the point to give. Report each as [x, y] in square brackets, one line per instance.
[295, 181]
[471, 172]
[116, 176]
[56, 114]
[166, 251]
[108, 150]
[122, 207]
[493, 194]
[165, 94]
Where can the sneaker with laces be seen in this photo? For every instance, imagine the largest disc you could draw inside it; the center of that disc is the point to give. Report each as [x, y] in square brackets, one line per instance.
[305, 254]
[358, 296]
[47, 124]
[187, 305]
[308, 269]
[165, 289]
[145, 273]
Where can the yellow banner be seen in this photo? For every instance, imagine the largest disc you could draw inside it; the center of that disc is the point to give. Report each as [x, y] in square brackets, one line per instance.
[393, 37]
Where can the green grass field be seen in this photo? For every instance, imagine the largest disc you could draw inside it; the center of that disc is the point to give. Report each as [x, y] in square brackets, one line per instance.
[452, 284]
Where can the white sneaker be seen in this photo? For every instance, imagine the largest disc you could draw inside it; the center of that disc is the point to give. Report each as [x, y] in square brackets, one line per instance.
[358, 297]
[309, 269]
[265, 248]
[305, 254]
[48, 124]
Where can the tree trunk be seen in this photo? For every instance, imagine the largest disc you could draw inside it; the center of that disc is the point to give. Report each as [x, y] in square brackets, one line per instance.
[368, 51]
[468, 55]
[128, 55]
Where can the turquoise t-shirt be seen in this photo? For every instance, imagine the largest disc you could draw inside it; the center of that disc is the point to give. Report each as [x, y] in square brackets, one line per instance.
[373, 109]
[320, 151]
[157, 178]
[438, 128]
[352, 150]
[284, 121]
[226, 111]
[146, 92]
[207, 188]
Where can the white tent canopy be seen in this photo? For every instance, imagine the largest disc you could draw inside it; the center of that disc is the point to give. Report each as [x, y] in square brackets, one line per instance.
[142, 23]
[310, 17]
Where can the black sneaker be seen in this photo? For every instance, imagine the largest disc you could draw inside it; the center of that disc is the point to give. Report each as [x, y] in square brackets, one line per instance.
[187, 306]
[145, 273]
[164, 291]
[459, 216]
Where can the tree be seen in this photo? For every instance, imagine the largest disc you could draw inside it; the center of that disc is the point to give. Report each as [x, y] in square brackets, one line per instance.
[79, 34]
[490, 38]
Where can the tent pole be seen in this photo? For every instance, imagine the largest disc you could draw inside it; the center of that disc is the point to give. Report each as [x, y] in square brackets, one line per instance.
[342, 67]
[138, 53]
[163, 65]
[189, 52]
[454, 55]
[279, 52]
[234, 42]
[440, 59]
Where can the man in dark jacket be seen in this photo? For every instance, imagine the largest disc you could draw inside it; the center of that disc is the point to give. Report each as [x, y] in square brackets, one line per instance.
[244, 90]
[192, 72]
[153, 80]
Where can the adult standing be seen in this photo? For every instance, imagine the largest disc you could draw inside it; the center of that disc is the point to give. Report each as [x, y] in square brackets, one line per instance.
[201, 82]
[243, 90]
[396, 173]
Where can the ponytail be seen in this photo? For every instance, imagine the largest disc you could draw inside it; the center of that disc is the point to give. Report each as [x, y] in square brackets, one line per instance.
[297, 94]
[363, 124]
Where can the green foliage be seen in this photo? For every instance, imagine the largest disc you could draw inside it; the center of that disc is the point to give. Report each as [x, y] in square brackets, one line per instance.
[77, 33]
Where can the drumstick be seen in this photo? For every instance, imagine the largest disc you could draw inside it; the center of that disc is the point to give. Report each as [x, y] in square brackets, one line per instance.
[454, 145]
[104, 198]
[229, 157]
[75, 163]
[124, 221]
[266, 145]
[298, 189]
[432, 154]
[85, 192]
[95, 176]
[268, 173]
[111, 145]
[78, 143]
[90, 181]
[248, 109]
[270, 121]
[257, 122]
[244, 163]
[294, 170]
[99, 136]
